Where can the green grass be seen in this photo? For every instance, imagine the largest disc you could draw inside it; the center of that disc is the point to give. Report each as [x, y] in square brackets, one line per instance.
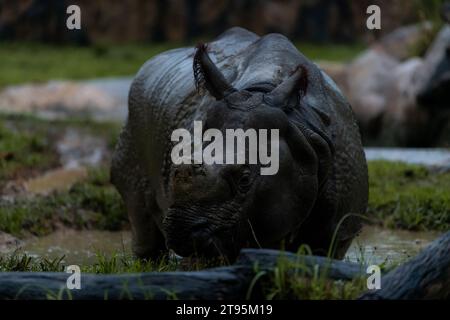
[23, 150]
[408, 196]
[90, 204]
[117, 263]
[330, 52]
[34, 62]
[104, 264]
[296, 280]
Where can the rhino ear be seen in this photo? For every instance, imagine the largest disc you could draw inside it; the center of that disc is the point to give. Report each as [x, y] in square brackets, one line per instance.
[208, 76]
[290, 89]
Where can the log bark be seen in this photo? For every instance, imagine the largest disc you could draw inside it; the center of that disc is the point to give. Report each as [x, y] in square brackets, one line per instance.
[220, 283]
[215, 284]
[333, 269]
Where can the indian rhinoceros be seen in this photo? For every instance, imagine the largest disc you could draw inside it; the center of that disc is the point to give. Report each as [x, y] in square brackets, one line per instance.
[217, 209]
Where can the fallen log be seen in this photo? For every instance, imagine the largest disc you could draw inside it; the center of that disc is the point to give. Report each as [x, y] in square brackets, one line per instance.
[221, 283]
[267, 259]
[425, 276]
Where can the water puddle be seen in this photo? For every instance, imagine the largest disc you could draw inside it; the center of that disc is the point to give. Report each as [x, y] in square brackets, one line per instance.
[373, 246]
[78, 247]
[429, 157]
[77, 151]
[376, 245]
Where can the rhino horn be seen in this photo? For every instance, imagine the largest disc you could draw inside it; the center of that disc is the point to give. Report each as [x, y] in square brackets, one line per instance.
[207, 75]
[297, 83]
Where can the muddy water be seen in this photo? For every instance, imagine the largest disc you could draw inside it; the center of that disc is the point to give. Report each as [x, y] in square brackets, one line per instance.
[373, 246]
[57, 179]
[376, 245]
[78, 247]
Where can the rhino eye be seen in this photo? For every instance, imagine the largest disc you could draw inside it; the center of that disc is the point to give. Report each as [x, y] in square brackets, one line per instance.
[244, 181]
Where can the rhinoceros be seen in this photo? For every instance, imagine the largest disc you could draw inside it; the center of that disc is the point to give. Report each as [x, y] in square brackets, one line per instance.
[240, 80]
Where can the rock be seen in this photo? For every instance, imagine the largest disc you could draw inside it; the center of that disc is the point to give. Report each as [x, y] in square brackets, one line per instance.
[384, 93]
[434, 90]
[368, 80]
[401, 42]
[427, 81]
[402, 120]
[104, 99]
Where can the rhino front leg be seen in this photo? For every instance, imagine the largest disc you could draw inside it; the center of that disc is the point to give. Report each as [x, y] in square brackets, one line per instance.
[147, 239]
[133, 186]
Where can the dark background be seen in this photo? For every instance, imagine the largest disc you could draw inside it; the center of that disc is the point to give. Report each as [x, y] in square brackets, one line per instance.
[117, 21]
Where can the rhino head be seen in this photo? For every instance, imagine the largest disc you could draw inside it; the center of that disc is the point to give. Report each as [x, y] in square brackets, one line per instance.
[217, 209]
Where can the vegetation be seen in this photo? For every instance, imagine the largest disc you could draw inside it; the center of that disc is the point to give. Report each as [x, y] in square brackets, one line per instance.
[51, 62]
[330, 52]
[429, 11]
[117, 263]
[294, 280]
[90, 204]
[23, 151]
[408, 196]
[71, 62]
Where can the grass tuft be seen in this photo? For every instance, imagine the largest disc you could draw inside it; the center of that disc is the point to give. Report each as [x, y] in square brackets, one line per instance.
[408, 196]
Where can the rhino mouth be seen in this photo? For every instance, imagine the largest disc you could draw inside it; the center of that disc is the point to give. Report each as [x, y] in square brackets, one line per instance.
[205, 231]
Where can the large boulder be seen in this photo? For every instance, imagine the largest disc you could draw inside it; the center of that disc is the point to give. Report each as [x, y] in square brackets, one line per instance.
[419, 99]
[368, 80]
[403, 43]
[401, 102]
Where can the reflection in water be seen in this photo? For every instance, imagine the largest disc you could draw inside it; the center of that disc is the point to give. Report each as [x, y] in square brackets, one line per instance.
[373, 246]
[376, 245]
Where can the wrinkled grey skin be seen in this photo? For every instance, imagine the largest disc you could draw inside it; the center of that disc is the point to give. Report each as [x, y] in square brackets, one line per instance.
[213, 210]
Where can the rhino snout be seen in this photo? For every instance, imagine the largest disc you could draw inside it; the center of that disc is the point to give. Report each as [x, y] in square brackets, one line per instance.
[200, 231]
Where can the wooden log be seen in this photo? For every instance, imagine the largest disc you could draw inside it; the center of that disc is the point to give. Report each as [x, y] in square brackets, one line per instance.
[218, 283]
[267, 259]
[426, 276]
[230, 282]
